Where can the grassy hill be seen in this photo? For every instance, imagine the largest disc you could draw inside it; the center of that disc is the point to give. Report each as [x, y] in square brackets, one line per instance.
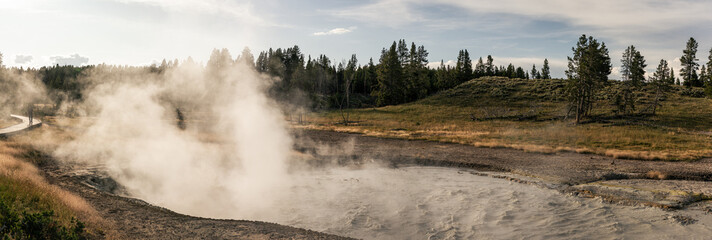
[532, 115]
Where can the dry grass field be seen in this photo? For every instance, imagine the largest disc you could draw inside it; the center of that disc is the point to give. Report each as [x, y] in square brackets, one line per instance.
[531, 115]
[27, 196]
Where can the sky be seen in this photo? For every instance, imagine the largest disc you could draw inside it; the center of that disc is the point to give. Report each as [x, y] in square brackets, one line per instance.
[37, 33]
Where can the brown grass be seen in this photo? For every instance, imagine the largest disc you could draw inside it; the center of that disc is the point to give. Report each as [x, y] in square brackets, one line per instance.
[27, 190]
[27, 180]
[681, 131]
[656, 175]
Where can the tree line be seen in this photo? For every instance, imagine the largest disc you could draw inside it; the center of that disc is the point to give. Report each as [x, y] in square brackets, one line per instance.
[590, 65]
[401, 74]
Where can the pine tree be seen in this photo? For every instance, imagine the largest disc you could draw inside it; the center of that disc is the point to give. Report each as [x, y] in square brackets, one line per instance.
[588, 72]
[463, 67]
[510, 72]
[246, 57]
[520, 73]
[371, 79]
[545, 71]
[443, 80]
[416, 72]
[390, 78]
[480, 69]
[703, 74]
[709, 66]
[633, 71]
[467, 66]
[688, 72]
[708, 80]
[489, 66]
[403, 54]
[534, 73]
[633, 66]
[661, 81]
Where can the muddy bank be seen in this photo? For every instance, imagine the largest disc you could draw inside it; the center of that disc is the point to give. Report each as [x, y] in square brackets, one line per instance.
[583, 174]
[135, 219]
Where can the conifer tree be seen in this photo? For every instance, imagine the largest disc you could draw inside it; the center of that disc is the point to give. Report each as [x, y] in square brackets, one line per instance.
[520, 73]
[633, 71]
[709, 65]
[489, 66]
[480, 69]
[390, 78]
[247, 58]
[661, 82]
[416, 72]
[545, 71]
[510, 72]
[534, 73]
[403, 54]
[688, 72]
[708, 80]
[463, 67]
[587, 73]
[633, 66]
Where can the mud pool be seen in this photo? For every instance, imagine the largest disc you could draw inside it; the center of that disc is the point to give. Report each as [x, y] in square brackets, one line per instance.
[450, 203]
[446, 203]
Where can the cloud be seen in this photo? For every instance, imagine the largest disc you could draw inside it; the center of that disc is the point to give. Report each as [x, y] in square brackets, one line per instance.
[435, 65]
[614, 15]
[74, 60]
[23, 59]
[392, 13]
[243, 12]
[335, 31]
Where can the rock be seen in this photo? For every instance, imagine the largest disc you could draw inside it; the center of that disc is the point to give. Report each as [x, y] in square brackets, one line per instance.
[684, 220]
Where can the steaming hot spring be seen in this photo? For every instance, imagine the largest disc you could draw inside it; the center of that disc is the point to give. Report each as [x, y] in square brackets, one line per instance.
[235, 160]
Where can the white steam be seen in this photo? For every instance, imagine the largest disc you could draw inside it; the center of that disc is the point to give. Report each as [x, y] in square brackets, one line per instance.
[18, 90]
[231, 160]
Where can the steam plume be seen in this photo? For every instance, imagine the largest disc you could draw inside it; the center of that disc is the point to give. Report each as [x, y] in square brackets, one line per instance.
[229, 162]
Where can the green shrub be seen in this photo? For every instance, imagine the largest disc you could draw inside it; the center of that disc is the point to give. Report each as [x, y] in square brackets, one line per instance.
[41, 225]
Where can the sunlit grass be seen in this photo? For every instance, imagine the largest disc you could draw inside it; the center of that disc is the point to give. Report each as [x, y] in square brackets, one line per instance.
[24, 190]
